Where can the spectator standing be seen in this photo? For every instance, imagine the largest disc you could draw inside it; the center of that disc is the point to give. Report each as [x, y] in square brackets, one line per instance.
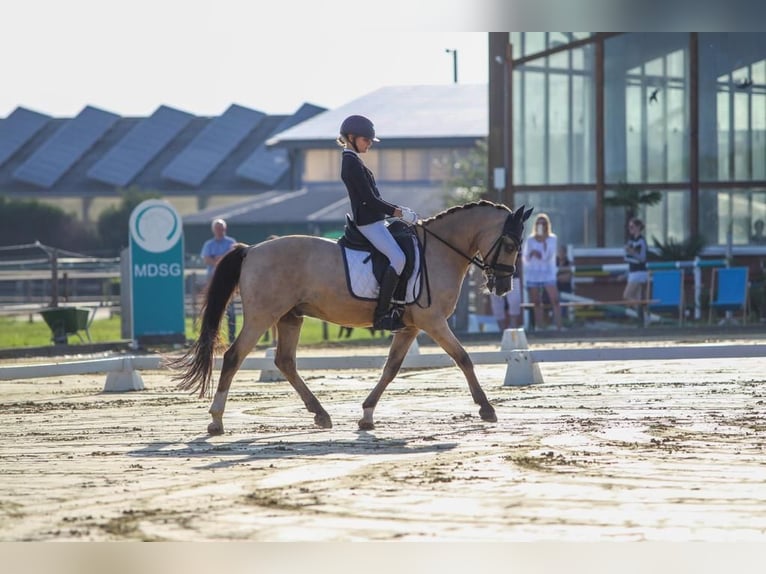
[539, 258]
[758, 236]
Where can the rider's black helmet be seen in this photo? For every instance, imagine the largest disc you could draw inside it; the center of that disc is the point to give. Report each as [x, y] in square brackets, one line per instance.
[359, 126]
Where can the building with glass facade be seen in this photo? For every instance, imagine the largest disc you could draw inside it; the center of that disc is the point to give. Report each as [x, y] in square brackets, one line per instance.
[592, 114]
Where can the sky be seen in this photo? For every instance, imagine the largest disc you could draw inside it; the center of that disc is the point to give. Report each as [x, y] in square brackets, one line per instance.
[199, 56]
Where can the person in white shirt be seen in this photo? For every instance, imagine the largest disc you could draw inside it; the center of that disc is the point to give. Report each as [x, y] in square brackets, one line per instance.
[539, 258]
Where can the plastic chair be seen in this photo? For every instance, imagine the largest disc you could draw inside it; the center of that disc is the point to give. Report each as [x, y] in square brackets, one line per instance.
[667, 292]
[728, 291]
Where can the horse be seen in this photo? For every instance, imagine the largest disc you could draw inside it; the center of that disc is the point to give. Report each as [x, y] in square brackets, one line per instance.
[282, 280]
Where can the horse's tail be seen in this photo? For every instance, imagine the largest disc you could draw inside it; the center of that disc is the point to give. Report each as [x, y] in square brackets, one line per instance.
[197, 362]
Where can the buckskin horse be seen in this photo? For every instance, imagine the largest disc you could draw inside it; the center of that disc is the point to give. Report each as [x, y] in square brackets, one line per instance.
[284, 279]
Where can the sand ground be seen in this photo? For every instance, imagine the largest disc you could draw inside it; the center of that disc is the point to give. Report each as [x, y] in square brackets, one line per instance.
[600, 451]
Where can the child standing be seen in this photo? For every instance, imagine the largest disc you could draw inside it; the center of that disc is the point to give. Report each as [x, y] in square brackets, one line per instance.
[635, 257]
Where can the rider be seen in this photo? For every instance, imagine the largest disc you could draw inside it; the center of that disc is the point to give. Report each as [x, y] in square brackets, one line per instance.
[369, 212]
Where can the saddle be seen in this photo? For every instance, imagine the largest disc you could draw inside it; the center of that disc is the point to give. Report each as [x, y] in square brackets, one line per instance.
[402, 233]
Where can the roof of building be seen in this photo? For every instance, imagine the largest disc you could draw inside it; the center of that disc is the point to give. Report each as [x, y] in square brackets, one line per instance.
[448, 113]
[170, 151]
[241, 151]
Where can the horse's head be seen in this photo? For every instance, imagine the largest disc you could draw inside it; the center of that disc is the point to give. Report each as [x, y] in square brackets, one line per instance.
[500, 261]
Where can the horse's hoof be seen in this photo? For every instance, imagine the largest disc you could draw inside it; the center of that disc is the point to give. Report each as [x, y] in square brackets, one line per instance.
[215, 428]
[366, 425]
[323, 421]
[488, 415]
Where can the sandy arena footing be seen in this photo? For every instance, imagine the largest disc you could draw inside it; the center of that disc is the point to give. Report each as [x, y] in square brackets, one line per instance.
[601, 451]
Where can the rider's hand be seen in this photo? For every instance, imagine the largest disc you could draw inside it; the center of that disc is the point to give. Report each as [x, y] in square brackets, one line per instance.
[409, 216]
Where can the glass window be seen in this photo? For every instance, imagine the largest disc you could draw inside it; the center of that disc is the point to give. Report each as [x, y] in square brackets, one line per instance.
[646, 112]
[441, 164]
[421, 165]
[321, 165]
[529, 43]
[572, 215]
[732, 107]
[554, 119]
[416, 162]
[372, 159]
[668, 219]
[735, 210]
[391, 165]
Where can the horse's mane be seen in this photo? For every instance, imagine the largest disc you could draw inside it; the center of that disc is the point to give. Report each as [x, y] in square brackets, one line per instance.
[480, 203]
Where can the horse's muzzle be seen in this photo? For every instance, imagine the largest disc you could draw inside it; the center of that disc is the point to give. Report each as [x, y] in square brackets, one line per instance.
[500, 285]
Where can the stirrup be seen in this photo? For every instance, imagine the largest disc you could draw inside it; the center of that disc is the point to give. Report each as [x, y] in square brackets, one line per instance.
[391, 321]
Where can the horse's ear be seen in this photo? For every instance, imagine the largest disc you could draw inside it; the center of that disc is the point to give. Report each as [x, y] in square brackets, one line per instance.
[520, 215]
[527, 213]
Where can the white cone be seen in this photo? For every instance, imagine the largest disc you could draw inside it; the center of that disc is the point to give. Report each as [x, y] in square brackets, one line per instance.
[126, 379]
[514, 340]
[521, 370]
[272, 374]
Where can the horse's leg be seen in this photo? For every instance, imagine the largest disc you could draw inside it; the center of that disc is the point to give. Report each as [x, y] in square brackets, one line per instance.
[232, 360]
[289, 328]
[444, 336]
[399, 346]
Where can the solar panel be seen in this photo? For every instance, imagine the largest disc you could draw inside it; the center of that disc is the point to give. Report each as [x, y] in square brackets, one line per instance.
[265, 166]
[211, 146]
[17, 129]
[65, 147]
[268, 165]
[121, 164]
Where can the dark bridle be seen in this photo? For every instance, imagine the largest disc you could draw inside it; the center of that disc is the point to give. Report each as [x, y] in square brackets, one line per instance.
[512, 232]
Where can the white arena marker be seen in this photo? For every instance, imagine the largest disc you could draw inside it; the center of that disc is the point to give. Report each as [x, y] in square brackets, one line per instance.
[124, 379]
[270, 374]
[522, 370]
[514, 340]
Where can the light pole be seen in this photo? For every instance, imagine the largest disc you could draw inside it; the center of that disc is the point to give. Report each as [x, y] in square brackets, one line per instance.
[504, 175]
[454, 63]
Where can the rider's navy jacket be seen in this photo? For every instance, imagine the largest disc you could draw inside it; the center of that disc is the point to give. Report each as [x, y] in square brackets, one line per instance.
[366, 203]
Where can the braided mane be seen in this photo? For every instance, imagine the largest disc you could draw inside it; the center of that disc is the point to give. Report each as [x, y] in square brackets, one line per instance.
[480, 203]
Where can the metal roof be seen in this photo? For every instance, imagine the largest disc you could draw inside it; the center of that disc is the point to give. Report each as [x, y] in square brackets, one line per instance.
[211, 146]
[70, 142]
[268, 165]
[139, 146]
[97, 153]
[17, 129]
[444, 112]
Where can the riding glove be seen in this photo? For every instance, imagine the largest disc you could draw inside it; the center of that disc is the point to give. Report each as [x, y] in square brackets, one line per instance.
[409, 216]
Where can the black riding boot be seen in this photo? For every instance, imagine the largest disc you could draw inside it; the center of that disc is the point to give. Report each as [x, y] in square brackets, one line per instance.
[389, 319]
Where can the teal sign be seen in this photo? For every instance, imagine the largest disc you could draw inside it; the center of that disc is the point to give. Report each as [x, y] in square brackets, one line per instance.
[157, 271]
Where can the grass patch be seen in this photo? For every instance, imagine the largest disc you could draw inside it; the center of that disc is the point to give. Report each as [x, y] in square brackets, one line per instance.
[19, 332]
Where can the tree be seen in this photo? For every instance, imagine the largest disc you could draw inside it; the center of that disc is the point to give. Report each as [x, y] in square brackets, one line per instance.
[631, 197]
[23, 222]
[113, 221]
[469, 180]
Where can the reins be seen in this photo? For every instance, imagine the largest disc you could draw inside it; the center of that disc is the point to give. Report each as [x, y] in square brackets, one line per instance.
[477, 260]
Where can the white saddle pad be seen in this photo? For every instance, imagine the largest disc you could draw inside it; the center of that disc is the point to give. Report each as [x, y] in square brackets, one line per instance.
[361, 280]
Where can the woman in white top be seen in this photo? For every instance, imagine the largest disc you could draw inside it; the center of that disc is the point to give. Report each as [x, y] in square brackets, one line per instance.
[539, 257]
